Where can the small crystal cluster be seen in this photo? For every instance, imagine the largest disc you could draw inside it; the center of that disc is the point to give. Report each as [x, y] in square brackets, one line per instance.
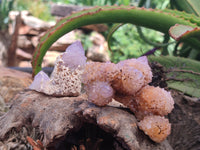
[156, 127]
[127, 77]
[126, 82]
[65, 79]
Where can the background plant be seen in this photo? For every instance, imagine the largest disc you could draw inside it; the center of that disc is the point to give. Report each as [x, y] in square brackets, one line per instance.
[5, 7]
[126, 42]
[38, 8]
[192, 7]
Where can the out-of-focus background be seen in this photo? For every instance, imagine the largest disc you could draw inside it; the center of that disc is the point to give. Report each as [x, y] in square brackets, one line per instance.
[23, 22]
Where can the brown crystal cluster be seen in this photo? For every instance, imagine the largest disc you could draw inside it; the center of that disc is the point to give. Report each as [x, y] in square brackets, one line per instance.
[127, 82]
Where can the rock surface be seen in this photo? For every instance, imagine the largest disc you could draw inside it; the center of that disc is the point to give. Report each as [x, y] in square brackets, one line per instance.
[31, 29]
[57, 117]
[12, 82]
[62, 10]
[185, 133]
[99, 50]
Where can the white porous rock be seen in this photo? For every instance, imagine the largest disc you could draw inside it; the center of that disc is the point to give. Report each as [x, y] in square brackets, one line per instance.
[65, 79]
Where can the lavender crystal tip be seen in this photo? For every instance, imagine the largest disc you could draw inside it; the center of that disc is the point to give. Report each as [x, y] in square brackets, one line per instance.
[74, 56]
[143, 59]
[40, 80]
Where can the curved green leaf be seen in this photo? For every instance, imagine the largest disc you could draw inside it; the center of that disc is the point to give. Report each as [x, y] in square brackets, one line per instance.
[181, 32]
[154, 19]
[189, 6]
[111, 32]
[186, 34]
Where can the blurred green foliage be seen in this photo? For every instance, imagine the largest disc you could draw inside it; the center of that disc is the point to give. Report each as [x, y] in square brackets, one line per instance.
[96, 2]
[125, 43]
[183, 49]
[128, 43]
[38, 8]
[5, 7]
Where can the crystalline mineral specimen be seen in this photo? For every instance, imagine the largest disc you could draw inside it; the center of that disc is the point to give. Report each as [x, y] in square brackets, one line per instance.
[96, 71]
[66, 76]
[74, 56]
[126, 77]
[153, 100]
[156, 127]
[140, 64]
[126, 82]
[100, 93]
[41, 81]
[129, 81]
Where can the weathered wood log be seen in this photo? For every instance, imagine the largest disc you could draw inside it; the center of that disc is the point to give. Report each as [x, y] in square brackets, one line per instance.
[58, 117]
[185, 134]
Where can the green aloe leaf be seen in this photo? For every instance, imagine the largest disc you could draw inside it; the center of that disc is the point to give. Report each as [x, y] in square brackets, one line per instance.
[182, 74]
[189, 6]
[181, 32]
[186, 34]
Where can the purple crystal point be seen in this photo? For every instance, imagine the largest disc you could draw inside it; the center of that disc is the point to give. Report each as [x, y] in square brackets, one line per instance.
[143, 59]
[74, 56]
[39, 82]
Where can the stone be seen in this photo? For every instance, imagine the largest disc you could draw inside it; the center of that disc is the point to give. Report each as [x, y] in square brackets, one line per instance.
[36, 23]
[62, 43]
[12, 82]
[99, 50]
[62, 10]
[24, 64]
[50, 58]
[24, 43]
[65, 79]
[58, 117]
[96, 27]
[22, 55]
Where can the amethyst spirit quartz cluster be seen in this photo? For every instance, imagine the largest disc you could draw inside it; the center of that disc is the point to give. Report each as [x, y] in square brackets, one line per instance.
[126, 82]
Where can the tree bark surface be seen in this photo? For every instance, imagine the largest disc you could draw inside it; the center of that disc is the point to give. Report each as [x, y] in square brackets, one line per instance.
[55, 117]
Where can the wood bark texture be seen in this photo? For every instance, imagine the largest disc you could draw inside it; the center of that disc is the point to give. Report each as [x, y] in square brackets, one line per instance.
[56, 117]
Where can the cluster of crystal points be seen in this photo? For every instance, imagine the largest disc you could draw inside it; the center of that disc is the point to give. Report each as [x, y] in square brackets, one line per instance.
[65, 79]
[126, 82]
[127, 77]
[156, 127]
